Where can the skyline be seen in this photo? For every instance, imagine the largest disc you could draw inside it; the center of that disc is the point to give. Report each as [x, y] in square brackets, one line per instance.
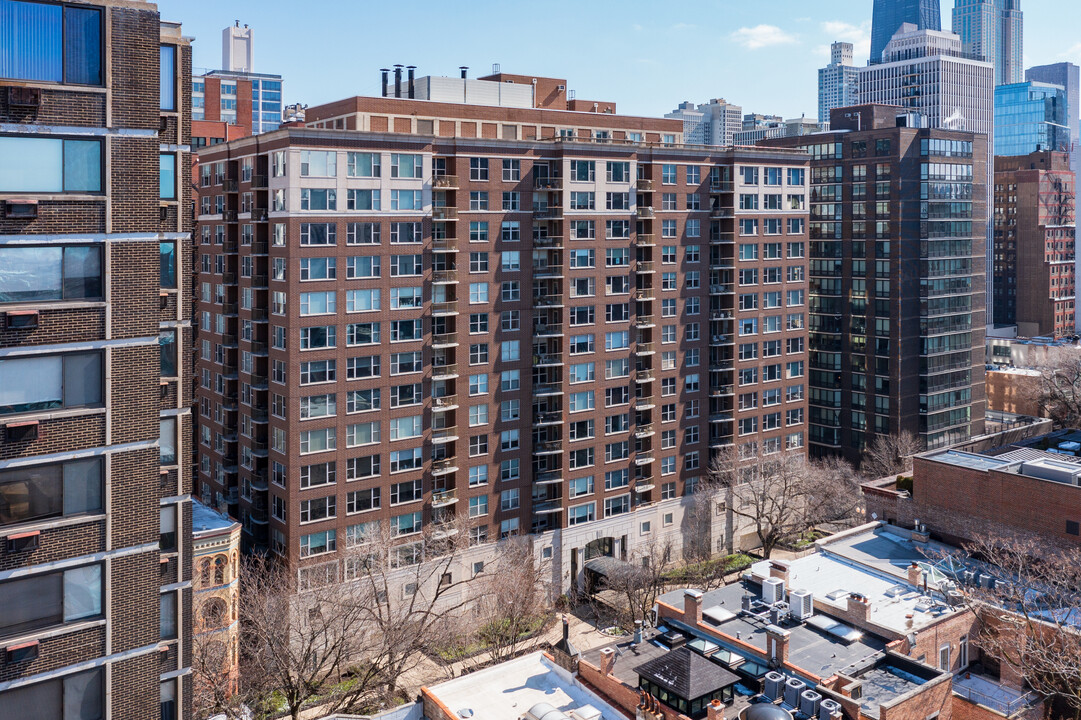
[788, 47]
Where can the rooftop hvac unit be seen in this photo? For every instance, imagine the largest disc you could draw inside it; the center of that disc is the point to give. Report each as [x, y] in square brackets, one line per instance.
[968, 577]
[808, 703]
[801, 604]
[793, 688]
[772, 590]
[773, 687]
[827, 708]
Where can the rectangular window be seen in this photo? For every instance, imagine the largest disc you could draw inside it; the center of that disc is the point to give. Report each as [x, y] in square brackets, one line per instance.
[51, 43]
[51, 165]
[39, 383]
[49, 599]
[77, 696]
[36, 274]
[46, 491]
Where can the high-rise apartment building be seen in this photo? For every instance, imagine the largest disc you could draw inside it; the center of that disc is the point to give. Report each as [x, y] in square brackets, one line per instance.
[838, 82]
[896, 314]
[95, 457]
[712, 123]
[1035, 216]
[235, 94]
[540, 320]
[992, 31]
[889, 15]
[1030, 117]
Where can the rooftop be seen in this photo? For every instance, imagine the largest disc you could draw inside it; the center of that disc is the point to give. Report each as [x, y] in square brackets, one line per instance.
[506, 691]
[205, 520]
[686, 673]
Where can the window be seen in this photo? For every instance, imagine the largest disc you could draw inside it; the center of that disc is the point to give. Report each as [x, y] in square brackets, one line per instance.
[318, 543]
[38, 383]
[79, 696]
[362, 164]
[46, 491]
[51, 43]
[49, 599]
[406, 166]
[31, 164]
[36, 274]
[365, 200]
[512, 170]
[581, 514]
[617, 505]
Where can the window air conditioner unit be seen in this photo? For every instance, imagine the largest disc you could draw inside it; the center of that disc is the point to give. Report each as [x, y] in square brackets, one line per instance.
[24, 97]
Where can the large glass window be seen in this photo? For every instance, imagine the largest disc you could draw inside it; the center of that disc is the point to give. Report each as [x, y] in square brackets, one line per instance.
[34, 274]
[168, 440]
[167, 176]
[168, 77]
[167, 345]
[79, 696]
[45, 491]
[168, 264]
[49, 165]
[36, 383]
[50, 43]
[48, 599]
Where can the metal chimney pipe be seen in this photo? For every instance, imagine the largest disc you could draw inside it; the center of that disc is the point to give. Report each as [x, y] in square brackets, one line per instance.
[397, 81]
[637, 632]
[386, 76]
[411, 69]
[464, 68]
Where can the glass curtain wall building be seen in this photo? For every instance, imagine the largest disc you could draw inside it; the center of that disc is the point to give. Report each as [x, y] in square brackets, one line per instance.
[1030, 117]
[889, 15]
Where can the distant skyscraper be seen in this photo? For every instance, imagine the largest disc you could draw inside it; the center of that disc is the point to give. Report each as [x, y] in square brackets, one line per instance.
[234, 94]
[838, 82]
[889, 15]
[711, 123]
[1068, 76]
[1030, 117]
[991, 30]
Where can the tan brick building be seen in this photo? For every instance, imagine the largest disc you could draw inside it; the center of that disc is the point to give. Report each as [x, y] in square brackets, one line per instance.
[540, 319]
[95, 339]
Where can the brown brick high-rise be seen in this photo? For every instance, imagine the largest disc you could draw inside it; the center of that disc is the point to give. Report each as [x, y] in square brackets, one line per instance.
[95, 384]
[533, 318]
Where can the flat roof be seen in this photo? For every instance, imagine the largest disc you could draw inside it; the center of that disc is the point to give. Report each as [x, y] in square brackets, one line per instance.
[973, 461]
[208, 520]
[884, 683]
[507, 690]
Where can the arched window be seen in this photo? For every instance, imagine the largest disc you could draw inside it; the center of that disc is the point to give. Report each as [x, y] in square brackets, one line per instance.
[219, 569]
[204, 572]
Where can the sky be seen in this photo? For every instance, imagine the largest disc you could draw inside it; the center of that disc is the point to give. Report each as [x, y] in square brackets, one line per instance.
[763, 56]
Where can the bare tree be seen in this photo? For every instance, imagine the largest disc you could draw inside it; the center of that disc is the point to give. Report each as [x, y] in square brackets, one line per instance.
[1059, 392]
[293, 645]
[784, 495]
[214, 687]
[640, 581]
[1029, 620]
[512, 603]
[889, 455]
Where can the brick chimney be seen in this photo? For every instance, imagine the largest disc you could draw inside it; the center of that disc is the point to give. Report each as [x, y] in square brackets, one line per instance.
[914, 574]
[859, 609]
[692, 607]
[715, 710]
[777, 640]
[779, 569]
[608, 661]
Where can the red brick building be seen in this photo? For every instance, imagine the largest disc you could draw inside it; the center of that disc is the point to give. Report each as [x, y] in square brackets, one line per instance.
[536, 319]
[1035, 212]
[95, 339]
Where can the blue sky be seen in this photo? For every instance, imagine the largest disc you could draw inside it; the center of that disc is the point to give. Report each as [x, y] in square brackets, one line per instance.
[642, 55]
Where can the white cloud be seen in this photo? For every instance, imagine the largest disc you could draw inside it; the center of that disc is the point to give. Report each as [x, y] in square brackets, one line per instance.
[858, 35]
[760, 36]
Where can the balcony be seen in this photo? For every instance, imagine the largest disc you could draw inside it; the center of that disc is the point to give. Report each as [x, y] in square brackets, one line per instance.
[440, 309]
[644, 348]
[259, 181]
[444, 340]
[231, 186]
[719, 289]
[229, 278]
[443, 467]
[722, 212]
[444, 277]
[547, 389]
[443, 498]
[548, 418]
[259, 348]
[643, 458]
[644, 266]
[230, 309]
[720, 315]
[444, 372]
[259, 282]
[551, 242]
[644, 185]
[260, 247]
[722, 340]
[721, 443]
[645, 240]
[722, 390]
[444, 244]
[722, 238]
[444, 403]
[542, 507]
[260, 315]
[720, 417]
[547, 360]
[643, 322]
[548, 447]
[548, 301]
[643, 404]
[260, 214]
[444, 435]
[551, 477]
[643, 294]
[548, 270]
[445, 182]
[644, 212]
[721, 186]
[548, 183]
[548, 330]
[643, 485]
[445, 214]
[443, 532]
[643, 376]
[551, 212]
[229, 216]
[723, 264]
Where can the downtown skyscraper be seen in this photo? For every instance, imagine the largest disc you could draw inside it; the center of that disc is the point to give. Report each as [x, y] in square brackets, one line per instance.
[991, 30]
[889, 15]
